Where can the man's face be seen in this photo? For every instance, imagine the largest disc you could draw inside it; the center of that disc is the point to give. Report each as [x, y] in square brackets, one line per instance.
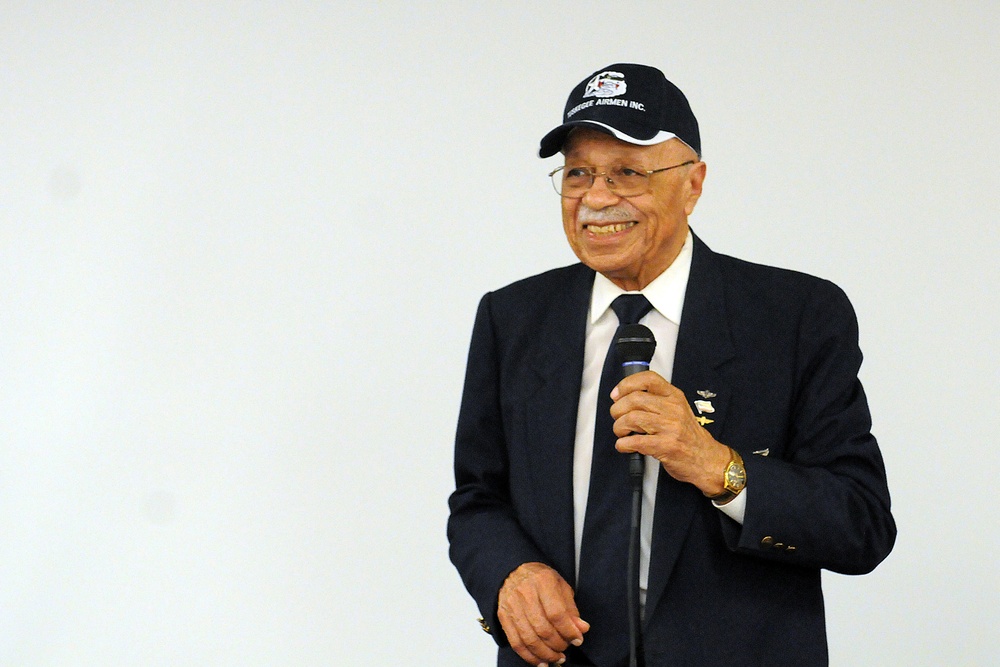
[633, 240]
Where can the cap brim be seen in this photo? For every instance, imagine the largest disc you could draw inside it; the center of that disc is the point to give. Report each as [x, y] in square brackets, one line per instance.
[553, 142]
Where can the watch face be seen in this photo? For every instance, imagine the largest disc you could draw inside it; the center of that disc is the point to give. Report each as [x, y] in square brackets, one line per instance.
[736, 477]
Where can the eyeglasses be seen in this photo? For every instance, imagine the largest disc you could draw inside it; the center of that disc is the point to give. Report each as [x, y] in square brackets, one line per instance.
[573, 182]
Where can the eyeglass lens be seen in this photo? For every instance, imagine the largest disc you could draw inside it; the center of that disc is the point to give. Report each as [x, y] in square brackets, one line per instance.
[575, 181]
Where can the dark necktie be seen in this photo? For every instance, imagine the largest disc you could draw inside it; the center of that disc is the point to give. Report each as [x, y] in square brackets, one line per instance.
[601, 592]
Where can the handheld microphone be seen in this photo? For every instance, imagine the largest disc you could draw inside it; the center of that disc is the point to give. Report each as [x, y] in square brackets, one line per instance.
[634, 347]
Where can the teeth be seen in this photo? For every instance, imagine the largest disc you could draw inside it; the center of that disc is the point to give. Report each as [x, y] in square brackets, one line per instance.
[610, 229]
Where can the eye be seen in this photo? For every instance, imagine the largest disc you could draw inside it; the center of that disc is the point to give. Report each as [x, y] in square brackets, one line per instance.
[629, 172]
[576, 172]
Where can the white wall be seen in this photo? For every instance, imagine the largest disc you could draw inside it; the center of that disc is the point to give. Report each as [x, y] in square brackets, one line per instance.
[241, 246]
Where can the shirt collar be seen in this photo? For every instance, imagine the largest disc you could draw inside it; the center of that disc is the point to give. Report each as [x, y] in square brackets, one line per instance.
[666, 292]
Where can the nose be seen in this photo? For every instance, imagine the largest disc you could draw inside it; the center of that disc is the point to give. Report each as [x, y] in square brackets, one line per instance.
[600, 195]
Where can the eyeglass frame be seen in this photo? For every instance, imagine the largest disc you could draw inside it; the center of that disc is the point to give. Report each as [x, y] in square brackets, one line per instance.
[610, 183]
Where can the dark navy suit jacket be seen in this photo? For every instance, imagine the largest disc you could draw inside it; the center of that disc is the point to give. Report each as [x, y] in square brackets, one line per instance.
[779, 350]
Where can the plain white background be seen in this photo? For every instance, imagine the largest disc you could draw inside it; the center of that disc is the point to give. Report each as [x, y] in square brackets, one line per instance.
[241, 246]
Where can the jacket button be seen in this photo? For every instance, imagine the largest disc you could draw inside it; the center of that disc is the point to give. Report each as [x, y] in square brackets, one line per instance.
[767, 541]
[789, 548]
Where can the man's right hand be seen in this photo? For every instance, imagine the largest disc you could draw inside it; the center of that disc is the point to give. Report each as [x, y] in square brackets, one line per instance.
[538, 614]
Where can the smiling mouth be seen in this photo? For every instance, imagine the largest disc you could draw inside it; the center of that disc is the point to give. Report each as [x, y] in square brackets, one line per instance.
[614, 228]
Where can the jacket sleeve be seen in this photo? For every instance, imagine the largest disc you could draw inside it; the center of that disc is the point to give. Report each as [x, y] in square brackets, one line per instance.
[486, 540]
[824, 500]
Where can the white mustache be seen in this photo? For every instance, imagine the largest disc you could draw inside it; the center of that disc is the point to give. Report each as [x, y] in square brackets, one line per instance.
[618, 213]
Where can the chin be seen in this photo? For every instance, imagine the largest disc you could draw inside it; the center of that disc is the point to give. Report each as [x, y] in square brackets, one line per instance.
[613, 271]
[606, 263]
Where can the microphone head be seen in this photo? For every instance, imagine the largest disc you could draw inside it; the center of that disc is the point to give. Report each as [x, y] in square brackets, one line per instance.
[634, 343]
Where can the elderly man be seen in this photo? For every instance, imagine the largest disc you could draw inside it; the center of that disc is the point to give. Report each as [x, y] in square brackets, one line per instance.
[760, 468]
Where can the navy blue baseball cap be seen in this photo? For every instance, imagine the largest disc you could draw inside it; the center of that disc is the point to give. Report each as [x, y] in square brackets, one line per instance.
[633, 103]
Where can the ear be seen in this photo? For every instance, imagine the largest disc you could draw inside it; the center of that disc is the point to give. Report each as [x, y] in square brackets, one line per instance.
[695, 181]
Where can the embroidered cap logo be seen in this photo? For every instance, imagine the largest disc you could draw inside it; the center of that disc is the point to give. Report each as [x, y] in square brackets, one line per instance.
[606, 84]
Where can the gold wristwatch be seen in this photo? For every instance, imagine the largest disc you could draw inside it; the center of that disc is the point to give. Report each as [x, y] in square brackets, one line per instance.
[734, 479]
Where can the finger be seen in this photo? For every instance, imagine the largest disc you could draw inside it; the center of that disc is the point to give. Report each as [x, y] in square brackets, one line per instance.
[581, 625]
[642, 422]
[663, 407]
[557, 628]
[524, 639]
[563, 615]
[543, 644]
[649, 381]
[629, 444]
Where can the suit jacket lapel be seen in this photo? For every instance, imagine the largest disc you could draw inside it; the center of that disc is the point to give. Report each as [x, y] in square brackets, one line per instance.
[552, 410]
[704, 344]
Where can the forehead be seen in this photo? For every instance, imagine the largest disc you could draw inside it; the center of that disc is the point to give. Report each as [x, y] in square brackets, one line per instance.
[589, 145]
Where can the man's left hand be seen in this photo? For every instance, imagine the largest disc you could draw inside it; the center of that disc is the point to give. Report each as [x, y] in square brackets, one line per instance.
[653, 417]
